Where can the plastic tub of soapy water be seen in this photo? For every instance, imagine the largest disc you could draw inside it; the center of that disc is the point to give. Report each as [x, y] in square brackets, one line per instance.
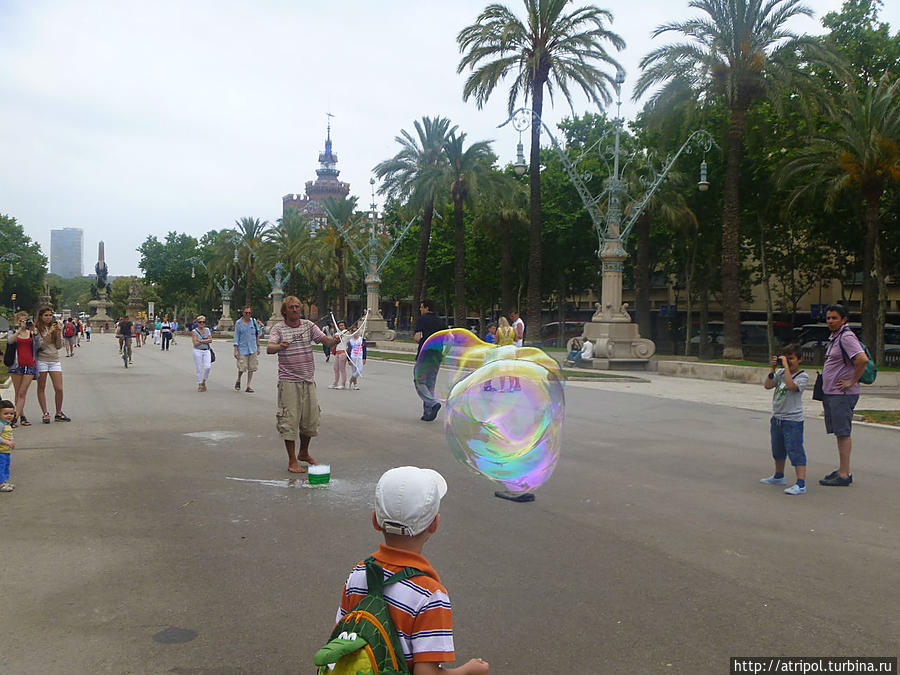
[319, 474]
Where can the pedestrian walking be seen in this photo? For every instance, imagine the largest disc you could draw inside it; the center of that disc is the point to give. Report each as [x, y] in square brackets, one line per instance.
[24, 368]
[50, 332]
[202, 339]
[165, 334]
[69, 336]
[246, 347]
[356, 355]
[157, 331]
[297, 407]
[87, 331]
[426, 374]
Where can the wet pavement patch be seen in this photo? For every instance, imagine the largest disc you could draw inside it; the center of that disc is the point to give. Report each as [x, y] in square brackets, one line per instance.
[174, 635]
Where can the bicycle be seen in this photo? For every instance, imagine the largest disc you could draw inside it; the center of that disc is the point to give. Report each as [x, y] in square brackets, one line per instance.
[126, 351]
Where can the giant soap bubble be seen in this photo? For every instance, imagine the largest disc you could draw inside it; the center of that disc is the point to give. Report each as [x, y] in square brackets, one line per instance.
[512, 437]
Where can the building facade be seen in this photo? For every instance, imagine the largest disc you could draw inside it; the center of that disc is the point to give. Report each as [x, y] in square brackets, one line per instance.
[67, 252]
[326, 184]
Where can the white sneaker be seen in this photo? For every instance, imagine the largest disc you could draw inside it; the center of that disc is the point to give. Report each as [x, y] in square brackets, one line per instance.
[340, 386]
[795, 490]
[771, 480]
[355, 387]
[332, 386]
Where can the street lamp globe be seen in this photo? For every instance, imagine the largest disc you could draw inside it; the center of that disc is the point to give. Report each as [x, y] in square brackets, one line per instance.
[519, 167]
[703, 185]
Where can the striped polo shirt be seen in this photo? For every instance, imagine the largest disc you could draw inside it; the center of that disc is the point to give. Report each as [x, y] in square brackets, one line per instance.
[419, 607]
[295, 364]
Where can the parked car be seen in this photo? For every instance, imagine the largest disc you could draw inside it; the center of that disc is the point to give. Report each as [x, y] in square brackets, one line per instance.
[755, 333]
[812, 335]
[550, 332]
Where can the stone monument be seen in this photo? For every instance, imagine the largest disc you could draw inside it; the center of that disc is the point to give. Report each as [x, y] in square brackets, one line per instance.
[136, 302]
[277, 294]
[100, 304]
[226, 288]
[44, 299]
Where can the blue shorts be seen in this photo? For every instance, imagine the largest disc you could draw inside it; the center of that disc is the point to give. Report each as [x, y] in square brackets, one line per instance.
[24, 370]
[838, 409]
[787, 441]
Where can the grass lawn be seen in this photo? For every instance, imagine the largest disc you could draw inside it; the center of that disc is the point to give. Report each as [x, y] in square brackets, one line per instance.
[568, 372]
[881, 416]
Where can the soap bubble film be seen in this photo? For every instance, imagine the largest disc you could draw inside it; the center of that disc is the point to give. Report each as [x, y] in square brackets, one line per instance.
[510, 437]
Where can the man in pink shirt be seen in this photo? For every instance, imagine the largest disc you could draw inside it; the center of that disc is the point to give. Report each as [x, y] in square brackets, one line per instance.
[297, 409]
[845, 361]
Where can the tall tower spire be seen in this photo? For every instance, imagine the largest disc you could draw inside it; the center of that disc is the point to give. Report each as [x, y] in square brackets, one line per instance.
[328, 159]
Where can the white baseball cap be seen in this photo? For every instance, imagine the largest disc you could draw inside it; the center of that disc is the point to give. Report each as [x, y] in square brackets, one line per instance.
[407, 499]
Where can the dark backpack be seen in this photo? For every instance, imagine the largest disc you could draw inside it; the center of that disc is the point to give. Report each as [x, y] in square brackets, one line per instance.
[871, 371]
[365, 640]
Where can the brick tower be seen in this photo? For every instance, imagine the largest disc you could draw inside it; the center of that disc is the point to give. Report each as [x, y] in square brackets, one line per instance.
[325, 185]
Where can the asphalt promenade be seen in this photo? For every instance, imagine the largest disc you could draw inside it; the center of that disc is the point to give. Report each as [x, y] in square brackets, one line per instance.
[159, 531]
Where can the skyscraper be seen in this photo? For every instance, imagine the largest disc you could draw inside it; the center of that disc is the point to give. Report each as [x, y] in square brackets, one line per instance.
[67, 252]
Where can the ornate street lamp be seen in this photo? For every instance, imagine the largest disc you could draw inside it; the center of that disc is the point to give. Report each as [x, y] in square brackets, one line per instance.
[615, 337]
[376, 327]
[10, 258]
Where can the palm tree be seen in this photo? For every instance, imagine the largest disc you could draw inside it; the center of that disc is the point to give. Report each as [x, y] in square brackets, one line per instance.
[411, 175]
[288, 242]
[251, 235]
[549, 48]
[860, 153]
[741, 50]
[505, 208]
[466, 167]
[341, 211]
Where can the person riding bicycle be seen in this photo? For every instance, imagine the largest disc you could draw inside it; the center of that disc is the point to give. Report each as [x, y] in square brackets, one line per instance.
[124, 334]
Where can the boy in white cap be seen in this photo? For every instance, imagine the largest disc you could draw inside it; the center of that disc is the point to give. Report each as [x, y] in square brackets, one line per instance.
[407, 501]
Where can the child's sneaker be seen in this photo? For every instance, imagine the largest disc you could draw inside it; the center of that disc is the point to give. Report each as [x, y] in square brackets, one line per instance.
[7, 487]
[771, 480]
[795, 490]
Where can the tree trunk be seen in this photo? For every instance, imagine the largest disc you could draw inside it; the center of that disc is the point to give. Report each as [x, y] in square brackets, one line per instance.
[506, 268]
[421, 257]
[459, 267]
[688, 287]
[872, 196]
[561, 309]
[731, 252]
[321, 298]
[642, 276]
[767, 289]
[533, 297]
[877, 348]
[703, 339]
[342, 284]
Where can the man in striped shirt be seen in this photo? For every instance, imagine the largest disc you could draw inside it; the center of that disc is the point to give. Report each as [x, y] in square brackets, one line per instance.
[407, 500]
[297, 409]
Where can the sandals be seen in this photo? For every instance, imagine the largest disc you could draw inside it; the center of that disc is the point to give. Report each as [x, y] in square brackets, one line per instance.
[249, 390]
[24, 421]
[237, 385]
[201, 387]
[14, 423]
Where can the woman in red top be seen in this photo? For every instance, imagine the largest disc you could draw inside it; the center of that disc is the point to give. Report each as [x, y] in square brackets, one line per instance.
[24, 368]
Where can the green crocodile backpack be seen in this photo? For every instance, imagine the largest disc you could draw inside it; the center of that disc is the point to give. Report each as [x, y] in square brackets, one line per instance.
[365, 641]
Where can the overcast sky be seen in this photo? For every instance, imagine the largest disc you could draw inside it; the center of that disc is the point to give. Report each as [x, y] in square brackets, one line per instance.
[130, 118]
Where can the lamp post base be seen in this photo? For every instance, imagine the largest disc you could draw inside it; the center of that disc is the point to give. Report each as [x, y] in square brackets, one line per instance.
[618, 343]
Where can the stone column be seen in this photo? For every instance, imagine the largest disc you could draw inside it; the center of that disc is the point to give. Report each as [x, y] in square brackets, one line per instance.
[226, 323]
[377, 328]
[277, 296]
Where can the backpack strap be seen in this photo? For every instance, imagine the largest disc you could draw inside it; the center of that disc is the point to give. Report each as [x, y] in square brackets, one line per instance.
[375, 576]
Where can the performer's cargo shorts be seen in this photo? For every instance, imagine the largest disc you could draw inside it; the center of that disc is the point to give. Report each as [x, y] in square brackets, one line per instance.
[297, 410]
